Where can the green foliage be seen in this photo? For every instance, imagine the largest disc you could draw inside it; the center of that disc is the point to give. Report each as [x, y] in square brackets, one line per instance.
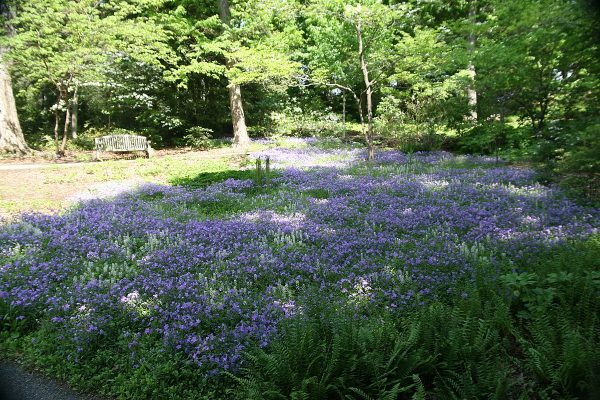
[424, 93]
[529, 72]
[582, 155]
[558, 307]
[208, 178]
[327, 355]
[440, 351]
[163, 67]
[496, 137]
[111, 370]
[198, 138]
[397, 129]
[534, 336]
[299, 122]
[578, 165]
[348, 46]
[257, 50]
[264, 43]
[63, 47]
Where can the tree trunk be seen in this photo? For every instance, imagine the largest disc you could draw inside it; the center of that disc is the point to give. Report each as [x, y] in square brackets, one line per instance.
[224, 11]
[56, 125]
[344, 116]
[238, 119]
[471, 92]
[369, 92]
[63, 144]
[74, 113]
[11, 135]
[361, 115]
[240, 132]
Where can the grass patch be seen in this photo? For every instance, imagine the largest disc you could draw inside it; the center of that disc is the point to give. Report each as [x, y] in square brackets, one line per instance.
[216, 208]
[205, 179]
[317, 193]
[151, 197]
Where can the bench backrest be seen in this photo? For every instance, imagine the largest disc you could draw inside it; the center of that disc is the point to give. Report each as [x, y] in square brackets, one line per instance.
[121, 143]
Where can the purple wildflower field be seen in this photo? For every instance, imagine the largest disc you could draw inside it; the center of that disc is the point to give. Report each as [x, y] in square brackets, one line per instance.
[388, 236]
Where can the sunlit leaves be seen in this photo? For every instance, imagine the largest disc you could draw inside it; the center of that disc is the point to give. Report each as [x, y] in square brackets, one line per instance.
[61, 41]
[257, 47]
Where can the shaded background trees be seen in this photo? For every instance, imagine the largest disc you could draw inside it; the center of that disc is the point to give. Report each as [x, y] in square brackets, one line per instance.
[512, 77]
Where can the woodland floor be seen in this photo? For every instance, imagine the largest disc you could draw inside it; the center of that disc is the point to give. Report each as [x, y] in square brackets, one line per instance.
[37, 183]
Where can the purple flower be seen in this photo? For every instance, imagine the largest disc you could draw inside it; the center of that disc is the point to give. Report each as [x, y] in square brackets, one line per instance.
[386, 236]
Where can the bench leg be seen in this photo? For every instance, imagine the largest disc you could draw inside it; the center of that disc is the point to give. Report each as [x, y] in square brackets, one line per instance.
[97, 156]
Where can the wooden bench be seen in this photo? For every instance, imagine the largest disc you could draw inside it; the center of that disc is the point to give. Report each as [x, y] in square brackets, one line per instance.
[122, 144]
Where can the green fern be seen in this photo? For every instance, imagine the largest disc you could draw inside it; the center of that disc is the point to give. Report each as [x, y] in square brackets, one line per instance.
[334, 356]
[482, 347]
[420, 393]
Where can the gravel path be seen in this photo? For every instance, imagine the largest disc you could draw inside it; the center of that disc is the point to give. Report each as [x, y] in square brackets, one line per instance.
[104, 190]
[18, 167]
[18, 384]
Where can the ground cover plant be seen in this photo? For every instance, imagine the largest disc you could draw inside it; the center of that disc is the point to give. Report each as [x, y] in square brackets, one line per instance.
[424, 275]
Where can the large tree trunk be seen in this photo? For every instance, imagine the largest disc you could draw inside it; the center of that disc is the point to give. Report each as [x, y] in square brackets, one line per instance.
[240, 131]
[471, 92]
[369, 92]
[11, 135]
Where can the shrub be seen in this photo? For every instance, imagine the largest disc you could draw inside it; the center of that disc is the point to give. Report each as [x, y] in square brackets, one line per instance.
[578, 167]
[295, 121]
[398, 127]
[198, 138]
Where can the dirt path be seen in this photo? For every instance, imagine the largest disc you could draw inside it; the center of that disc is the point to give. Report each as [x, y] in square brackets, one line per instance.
[20, 167]
[30, 189]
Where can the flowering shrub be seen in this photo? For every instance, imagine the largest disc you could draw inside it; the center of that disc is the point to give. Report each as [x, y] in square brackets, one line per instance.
[208, 273]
